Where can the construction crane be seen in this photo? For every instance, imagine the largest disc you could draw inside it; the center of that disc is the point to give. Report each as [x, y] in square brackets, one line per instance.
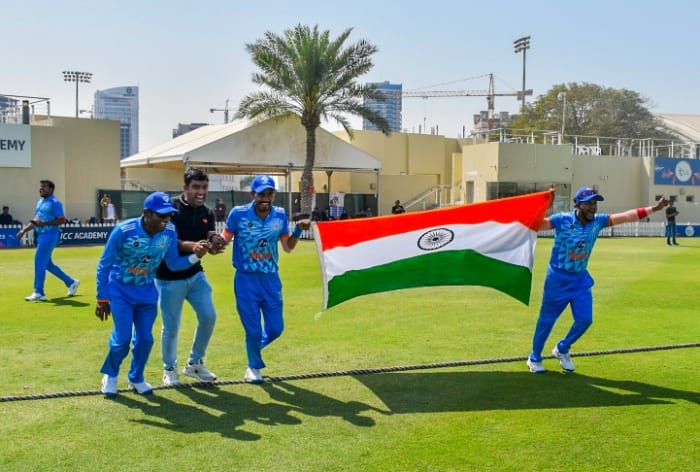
[490, 95]
[225, 109]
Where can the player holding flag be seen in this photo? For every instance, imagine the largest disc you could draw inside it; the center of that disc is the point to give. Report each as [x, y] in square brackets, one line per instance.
[568, 281]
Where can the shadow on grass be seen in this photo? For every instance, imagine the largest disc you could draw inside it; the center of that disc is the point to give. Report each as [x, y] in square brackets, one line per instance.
[221, 411]
[314, 404]
[68, 301]
[479, 391]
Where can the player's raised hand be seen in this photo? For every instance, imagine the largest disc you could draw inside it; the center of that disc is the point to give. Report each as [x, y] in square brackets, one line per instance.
[661, 203]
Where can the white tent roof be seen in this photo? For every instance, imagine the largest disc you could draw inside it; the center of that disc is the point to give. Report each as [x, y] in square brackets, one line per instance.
[688, 126]
[254, 146]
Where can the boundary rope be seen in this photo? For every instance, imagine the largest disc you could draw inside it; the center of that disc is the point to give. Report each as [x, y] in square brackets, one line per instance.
[355, 372]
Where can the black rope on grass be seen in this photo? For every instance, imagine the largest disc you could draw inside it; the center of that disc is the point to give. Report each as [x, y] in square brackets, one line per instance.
[355, 372]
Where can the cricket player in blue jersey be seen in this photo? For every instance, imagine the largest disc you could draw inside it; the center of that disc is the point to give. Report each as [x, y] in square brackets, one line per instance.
[126, 288]
[47, 217]
[568, 281]
[256, 229]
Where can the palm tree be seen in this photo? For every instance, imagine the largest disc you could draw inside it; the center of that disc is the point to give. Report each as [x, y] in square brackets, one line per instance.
[307, 73]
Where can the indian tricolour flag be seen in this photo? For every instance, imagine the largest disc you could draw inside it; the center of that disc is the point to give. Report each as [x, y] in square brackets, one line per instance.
[491, 244]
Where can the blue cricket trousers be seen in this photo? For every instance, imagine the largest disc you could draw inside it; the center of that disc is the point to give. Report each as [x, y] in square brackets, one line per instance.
[259, 295]
[134, 310]
[45, 244]
[562, 288]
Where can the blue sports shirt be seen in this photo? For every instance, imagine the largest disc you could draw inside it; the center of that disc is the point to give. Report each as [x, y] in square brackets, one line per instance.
[131, 255]
[573, 241]
[255, 240]
[48, 209]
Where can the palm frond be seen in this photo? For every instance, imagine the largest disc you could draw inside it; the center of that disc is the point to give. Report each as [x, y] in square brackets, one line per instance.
[307, 72]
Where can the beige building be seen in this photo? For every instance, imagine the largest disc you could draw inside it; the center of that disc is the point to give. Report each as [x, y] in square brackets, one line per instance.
[78, 155]
[423, 171]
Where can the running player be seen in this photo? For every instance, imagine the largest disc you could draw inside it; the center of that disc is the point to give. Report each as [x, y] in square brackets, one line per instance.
[568, 281]
[48, 216]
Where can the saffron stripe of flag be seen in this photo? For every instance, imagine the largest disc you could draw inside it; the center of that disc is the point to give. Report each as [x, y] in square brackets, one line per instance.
[489, 244]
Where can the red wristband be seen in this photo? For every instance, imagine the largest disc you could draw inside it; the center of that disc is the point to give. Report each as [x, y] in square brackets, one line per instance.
[642, 213]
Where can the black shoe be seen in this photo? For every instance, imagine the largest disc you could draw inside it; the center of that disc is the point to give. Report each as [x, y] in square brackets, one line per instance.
[676, 244]
[668, 244]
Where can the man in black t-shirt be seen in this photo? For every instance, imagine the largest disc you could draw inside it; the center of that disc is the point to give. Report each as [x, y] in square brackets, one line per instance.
[194, 223]
[397, 208]
[5, 217]
[220, 210]
[671, 214]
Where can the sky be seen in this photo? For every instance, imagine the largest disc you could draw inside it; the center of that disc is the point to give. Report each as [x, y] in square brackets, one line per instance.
[188, 57]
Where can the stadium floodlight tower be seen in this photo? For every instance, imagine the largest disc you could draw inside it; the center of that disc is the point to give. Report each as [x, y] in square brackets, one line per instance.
[522, 45]
[77, 77]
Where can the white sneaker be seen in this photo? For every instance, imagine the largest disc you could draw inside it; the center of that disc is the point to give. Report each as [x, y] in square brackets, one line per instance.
[109, 386]
[535, 367]
[142, 388]
[199, 372]
[73, 287]
[36, 297]
[253, 376]
[564, 360]
[170, 376]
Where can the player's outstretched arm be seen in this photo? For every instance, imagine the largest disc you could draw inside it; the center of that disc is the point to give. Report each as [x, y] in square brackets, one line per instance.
[630, 216]
[290, 242]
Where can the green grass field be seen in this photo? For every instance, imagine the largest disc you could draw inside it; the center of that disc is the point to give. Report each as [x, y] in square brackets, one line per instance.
[630, 412]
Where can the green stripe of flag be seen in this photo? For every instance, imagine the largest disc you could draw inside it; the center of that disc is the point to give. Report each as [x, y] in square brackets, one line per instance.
[441, 268]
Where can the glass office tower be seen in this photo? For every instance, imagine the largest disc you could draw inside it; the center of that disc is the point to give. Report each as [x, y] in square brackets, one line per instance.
[121, 104]
[389, 109]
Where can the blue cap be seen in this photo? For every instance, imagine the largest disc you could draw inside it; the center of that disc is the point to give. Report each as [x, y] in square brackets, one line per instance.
[261, 183]
[585, 194]
[159, 202]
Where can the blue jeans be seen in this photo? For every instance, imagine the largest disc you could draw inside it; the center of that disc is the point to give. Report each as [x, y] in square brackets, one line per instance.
[259, 295]
[560, 290]
[45, 244]
[173, 293]
[671, 232]
[134, 310]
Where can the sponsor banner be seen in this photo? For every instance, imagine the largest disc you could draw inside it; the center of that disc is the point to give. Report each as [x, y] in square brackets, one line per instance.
[676, 171]
[8, 237]
[690, 231]
[75, 235]
[336, 202]
[15, 145]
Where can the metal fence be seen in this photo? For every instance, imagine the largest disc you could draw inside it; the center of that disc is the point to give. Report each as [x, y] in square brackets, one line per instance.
[129, 203]
[637, 229]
